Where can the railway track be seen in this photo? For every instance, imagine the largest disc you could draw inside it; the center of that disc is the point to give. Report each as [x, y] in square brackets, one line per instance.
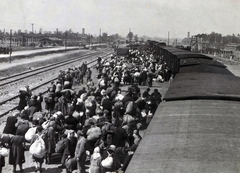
[23, 75]
[11, 102]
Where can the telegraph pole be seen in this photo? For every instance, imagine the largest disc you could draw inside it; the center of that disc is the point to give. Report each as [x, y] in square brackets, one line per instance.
[89, 41]
[100, 37]
[32, 34]
[32, 27]
[168, 38]
[66, 41]
[10, 49]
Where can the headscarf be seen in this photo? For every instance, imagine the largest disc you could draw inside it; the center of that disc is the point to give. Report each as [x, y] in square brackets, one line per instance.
[96, 153]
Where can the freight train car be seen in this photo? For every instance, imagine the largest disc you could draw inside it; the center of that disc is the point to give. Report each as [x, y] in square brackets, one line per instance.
[196, 129]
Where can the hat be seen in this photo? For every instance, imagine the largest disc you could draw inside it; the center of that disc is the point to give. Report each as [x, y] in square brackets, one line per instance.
[112, 147]
[80, 133]
[105, 111]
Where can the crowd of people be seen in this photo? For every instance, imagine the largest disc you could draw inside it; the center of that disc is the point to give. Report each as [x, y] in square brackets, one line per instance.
[98, 124]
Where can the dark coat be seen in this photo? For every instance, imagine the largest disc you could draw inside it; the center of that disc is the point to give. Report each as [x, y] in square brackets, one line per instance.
[10, 125]
[16, 154]
[63, 105]
[50, 140]
[22, 127]
[71, 122]
[120, 137]
[70, 145]
[23, 101]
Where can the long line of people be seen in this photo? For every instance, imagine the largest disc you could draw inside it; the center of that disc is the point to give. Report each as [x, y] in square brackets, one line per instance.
[99, 125]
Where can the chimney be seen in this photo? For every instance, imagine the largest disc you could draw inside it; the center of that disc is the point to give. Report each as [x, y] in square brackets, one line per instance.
[188, 35]
[83, 31]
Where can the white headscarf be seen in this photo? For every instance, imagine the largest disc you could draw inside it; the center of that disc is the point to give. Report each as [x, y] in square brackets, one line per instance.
[96, 153]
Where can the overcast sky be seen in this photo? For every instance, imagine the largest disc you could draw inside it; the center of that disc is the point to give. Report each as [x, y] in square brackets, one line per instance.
[143, 17]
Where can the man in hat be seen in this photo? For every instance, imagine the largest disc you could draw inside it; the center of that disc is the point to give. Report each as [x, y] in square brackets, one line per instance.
[80, 152]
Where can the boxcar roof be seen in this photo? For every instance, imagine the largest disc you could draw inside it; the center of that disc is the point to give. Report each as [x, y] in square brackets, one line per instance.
[204, 86]
[188, 54]
[204, 68]
[193, 136]
[194, 61]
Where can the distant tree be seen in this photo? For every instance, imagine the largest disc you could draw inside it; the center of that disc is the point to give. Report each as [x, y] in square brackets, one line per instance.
[115, 36]
[136, 38]
[19, 31]
[104, 36]
[130, 36]
[227, 39]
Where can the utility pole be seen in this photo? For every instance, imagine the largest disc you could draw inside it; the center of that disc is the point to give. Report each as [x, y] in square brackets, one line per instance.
[32, 34]
[89, 41]
[10, 49]
[168, 38]
[100, 37]
[32, 27]
[66, 41]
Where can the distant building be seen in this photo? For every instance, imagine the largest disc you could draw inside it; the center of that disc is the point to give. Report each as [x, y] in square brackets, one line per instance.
[33, 39]
[186, 42]
[54, 41]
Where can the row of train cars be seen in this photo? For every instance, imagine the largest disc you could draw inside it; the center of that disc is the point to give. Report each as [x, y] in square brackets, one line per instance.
[196, 129]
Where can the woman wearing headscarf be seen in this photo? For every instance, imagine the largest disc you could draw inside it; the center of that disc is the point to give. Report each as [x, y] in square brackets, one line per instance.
[16, 154]
[10, 124]
[95, 161]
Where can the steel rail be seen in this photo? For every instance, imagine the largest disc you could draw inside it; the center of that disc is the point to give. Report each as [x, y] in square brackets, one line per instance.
[44, 83]
[45, 68]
